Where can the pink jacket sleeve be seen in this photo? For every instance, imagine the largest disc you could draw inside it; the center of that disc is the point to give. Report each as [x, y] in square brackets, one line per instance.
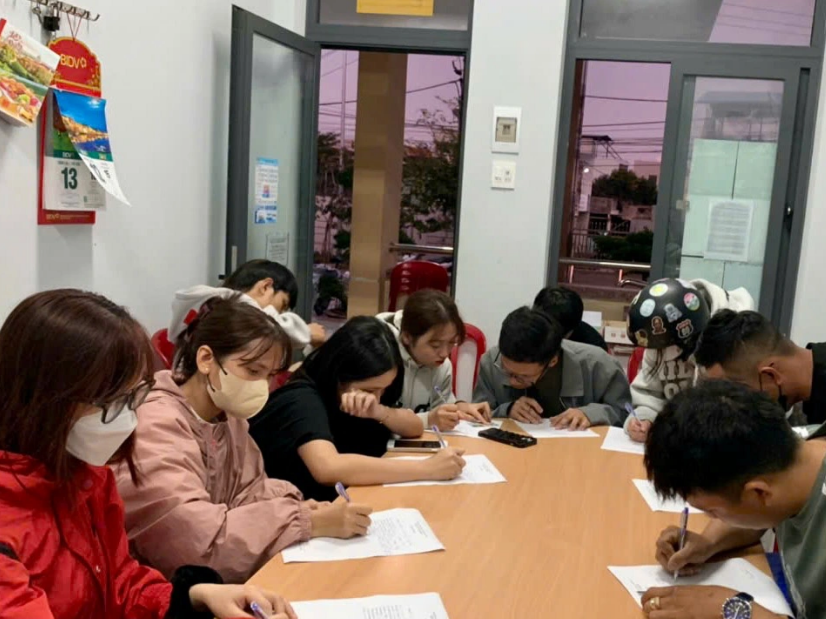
[171, 520]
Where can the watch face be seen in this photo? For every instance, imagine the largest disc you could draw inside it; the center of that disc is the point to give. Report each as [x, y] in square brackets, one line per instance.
[737, 608]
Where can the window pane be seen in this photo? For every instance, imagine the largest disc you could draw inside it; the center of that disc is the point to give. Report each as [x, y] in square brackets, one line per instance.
[755, 22]
[718, 230]
[612, 181]
[447, 15]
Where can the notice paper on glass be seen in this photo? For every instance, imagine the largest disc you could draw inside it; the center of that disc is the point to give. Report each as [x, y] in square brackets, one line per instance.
[735, 574]
[546, 430]
[729, 230]
[617, 440]
[419, 606]
[392, 532]
[478, 470]
[266, 182]
[471, 429]
[658, 504]
[278, 247]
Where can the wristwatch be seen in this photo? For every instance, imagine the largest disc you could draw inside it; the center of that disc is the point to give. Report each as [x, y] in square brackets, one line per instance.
[738, 606]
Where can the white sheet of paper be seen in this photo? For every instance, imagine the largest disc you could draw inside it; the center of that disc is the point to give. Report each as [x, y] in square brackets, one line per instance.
[675, 506]
[736, 574]
[545, 430]
[478, 470]
[618, 440]
[392, 532]
[471, 430]
[420, 606]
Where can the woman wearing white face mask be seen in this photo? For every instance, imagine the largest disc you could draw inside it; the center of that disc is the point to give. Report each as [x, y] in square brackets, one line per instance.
[73, 367]
[204, 493]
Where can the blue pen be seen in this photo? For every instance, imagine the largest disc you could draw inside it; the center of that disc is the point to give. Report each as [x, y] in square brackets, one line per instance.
[258, 611]
[342, 491]
[683, 531]
[631, 411]
[439, 436]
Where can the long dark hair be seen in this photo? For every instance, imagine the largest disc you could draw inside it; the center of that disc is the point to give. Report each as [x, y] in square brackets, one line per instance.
[59, 350]
[363, 348]
[228, 326]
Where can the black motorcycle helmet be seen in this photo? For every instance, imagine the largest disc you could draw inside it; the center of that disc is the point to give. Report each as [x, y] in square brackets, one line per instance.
[668, 312]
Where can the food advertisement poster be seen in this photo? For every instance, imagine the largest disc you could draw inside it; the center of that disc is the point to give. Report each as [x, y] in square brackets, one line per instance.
[26, 71]
[84, 119]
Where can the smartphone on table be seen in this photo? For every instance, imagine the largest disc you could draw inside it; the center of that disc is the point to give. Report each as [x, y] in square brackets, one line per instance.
[413, 445]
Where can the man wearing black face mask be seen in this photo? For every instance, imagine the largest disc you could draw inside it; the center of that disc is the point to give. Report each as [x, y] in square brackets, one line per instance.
[747, 348]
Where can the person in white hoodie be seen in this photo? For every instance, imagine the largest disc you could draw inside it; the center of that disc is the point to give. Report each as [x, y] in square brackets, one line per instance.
[666, 318]
[262, 283]
[427, 330]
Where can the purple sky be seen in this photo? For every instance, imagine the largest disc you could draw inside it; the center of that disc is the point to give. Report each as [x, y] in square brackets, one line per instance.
[423, 72]
[624, 100]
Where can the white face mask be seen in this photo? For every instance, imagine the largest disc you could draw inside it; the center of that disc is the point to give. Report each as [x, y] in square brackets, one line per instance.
[238, 397]
[96, 442]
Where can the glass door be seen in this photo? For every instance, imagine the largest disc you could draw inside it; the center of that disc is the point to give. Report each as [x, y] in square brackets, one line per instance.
[721, 214]
[272, 148]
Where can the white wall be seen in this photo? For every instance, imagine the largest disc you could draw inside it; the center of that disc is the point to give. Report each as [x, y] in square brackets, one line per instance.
[810, 297]
[166, 76]
[516, 60]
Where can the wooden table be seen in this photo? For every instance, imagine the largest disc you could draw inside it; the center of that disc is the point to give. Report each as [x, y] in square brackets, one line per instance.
[536, 546]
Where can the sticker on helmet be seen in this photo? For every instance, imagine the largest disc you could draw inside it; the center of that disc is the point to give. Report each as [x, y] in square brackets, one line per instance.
[685, 329]
[658, 290]
[672, 313]
[642, 338]
[692, 301]
[657, 326]
[647, 308]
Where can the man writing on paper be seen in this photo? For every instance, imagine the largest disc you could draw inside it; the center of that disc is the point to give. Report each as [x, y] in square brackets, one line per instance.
[728, 450]
[535, 374]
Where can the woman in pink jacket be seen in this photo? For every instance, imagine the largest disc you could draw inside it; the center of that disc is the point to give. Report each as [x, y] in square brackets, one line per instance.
[204, 497]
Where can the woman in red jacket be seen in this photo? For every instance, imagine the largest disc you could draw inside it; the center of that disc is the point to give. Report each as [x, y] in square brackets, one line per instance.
[73, 367]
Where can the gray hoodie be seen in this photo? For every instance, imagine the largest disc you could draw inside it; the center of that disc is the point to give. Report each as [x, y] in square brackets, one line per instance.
[592, 381]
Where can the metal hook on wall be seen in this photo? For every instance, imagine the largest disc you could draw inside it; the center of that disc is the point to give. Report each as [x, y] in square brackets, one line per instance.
[51, 9]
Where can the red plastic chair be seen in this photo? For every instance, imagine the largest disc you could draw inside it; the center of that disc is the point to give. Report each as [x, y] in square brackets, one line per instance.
[634, 363]
[164, 349]
[475, 335]
[279, 380]
[408, 277]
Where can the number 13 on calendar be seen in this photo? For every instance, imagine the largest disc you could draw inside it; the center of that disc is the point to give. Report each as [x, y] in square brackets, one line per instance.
[68, 185]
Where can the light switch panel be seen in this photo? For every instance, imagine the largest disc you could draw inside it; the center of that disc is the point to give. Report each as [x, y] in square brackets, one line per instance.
[503, 175]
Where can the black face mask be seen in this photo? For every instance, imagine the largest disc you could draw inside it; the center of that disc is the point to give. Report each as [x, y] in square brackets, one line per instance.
[782, 399]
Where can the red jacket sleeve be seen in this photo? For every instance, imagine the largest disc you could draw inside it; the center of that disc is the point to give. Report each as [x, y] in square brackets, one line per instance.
[18, 599]
[140, 592]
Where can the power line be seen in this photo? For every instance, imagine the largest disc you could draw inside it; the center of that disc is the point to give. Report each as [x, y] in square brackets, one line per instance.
[339, 68]
[757, 8]
[625, 99]
[758, 28]
[643, 122]
[765, 21]
[407, 92]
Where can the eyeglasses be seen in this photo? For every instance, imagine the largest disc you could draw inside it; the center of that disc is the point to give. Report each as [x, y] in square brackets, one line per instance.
[521, 379]
[133, 399]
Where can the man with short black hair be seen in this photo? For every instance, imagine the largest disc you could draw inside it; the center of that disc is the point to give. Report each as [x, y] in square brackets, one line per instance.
[566, 307]
[746, 347]
[728, 450]
[534, 374]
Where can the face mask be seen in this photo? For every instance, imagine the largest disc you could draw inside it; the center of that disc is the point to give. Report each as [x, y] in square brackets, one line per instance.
[238, 397]
[95, 442]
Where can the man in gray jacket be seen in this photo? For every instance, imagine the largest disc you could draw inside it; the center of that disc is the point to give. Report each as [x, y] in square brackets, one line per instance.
[535, 374]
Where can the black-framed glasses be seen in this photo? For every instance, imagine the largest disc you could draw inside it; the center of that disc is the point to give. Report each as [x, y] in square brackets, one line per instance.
[133, 399]
[521, 379]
